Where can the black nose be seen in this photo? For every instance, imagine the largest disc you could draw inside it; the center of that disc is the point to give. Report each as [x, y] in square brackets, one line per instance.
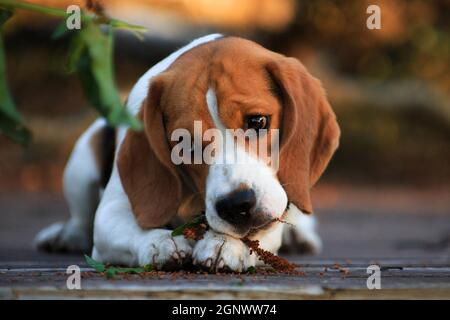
[237, 206]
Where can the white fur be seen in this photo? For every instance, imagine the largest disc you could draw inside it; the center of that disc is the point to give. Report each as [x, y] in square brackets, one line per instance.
[218, 251]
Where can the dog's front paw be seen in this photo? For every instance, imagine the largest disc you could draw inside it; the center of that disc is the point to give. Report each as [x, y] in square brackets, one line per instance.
[64, 237]
[163, 251]
[219, 252]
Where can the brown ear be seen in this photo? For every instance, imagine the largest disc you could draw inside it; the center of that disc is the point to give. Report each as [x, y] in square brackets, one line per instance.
[309, 134]
[148, 175]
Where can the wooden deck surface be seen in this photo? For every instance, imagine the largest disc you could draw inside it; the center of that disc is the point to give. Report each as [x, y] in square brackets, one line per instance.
[411, 248]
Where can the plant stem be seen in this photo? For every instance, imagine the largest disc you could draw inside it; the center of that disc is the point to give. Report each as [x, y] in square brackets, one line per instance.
[62, 14]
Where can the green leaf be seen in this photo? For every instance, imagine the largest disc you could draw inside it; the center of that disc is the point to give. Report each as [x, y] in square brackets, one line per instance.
[98, 266]
[13, 128]
[60, 31]
[148, 268]
[5, 15]
[76, 50]
[11, 122]
[110, 272]
[251, 270]
[91, 55]
[190, 224]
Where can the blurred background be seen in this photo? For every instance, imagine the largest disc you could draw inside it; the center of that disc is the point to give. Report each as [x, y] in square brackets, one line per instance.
[390, 89]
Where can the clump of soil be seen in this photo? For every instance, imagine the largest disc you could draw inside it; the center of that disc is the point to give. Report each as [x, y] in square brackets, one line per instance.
[276, 262]
[195, 233]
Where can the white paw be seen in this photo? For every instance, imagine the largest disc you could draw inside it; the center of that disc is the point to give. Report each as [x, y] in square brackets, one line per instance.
[219, 252]
[64, 237]
[301, 235]
[163, 251]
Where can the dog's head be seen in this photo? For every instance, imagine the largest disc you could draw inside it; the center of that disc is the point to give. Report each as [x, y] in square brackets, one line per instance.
[229, 84]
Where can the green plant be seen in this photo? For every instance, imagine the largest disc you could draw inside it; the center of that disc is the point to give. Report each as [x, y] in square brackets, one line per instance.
[90, 55]
[111, 271]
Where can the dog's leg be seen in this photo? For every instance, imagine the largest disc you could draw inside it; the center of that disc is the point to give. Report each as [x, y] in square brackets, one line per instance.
[300, 235]
[118, 239]
[81, 190]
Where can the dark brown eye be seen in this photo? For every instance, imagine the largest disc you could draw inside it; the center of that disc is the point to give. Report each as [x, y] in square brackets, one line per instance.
[257, 122]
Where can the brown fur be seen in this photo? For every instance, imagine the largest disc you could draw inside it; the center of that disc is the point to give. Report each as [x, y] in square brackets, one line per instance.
[147, 173]
[243, 75]
[310, 132]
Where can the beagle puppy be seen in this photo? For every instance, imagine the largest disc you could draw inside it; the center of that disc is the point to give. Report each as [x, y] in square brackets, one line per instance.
[130, 197]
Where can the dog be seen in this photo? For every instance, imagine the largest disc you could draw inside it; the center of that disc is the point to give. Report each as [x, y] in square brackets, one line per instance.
[125, 194]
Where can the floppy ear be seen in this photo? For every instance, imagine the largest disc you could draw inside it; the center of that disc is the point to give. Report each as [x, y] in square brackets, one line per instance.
[148, 175]
[309, 134]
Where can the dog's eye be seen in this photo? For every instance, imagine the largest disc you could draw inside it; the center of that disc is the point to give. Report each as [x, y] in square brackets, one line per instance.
[257, 122]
